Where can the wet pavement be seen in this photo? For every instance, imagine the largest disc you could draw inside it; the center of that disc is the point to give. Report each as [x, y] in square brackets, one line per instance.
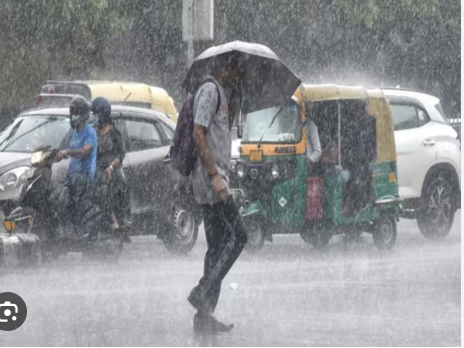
[350, 294]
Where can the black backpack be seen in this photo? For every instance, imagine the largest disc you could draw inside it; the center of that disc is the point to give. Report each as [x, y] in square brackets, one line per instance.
[183, 153]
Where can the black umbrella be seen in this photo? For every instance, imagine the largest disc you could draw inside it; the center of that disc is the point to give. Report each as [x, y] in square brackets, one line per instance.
[267, 81]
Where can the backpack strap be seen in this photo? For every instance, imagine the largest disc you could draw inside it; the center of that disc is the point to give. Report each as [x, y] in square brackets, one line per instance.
[218, 92]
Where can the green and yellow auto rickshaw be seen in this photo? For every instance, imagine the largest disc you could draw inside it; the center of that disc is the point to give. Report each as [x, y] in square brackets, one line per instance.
[351, 189]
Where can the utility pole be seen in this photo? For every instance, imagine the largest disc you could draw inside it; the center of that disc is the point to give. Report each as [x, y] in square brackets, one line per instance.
[191, 33]
[197, 24]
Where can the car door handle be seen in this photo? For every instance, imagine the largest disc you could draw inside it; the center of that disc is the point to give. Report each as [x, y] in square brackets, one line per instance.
[429, 142]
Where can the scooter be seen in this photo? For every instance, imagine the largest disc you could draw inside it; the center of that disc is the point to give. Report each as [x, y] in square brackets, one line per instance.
[61, 229]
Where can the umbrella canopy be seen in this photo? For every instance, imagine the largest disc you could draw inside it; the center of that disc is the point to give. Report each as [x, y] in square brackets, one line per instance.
[267, 82]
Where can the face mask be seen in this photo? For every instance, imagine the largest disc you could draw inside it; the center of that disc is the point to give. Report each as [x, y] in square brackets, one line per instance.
[76, 120]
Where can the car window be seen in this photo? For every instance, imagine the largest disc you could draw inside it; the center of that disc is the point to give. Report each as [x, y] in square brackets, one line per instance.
[142, 135]
[168, 131]
[26, 134]
[404, 116]
[423, 117]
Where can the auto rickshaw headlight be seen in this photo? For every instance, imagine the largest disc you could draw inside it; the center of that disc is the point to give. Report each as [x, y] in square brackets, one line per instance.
[275, 171]
[240, 170]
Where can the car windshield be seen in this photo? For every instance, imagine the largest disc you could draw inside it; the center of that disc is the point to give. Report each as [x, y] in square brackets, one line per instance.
[286, 127]
[28, 133]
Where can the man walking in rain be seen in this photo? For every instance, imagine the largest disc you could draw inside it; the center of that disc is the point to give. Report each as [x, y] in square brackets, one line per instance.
[225, 232]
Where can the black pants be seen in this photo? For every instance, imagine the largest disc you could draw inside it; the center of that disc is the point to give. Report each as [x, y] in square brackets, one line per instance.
[226, 238]
[116, 197]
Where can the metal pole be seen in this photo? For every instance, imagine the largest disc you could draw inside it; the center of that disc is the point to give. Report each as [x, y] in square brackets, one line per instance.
[339, 139]
[190, 47]
[190, 54]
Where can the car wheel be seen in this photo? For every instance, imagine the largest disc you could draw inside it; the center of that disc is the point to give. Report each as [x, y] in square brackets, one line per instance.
[436, 216]
[385, 231]
[185, 232]
[255, 235]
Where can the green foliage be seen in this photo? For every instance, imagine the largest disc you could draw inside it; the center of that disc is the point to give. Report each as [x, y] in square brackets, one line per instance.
[52, 38]
[360, 11]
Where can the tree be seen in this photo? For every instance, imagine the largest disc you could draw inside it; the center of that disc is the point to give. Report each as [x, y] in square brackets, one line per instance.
[53, 39]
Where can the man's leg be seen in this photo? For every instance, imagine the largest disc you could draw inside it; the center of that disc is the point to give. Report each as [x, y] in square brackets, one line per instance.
[229, 229]
[213, 238]
[235, 240]
[214, 296]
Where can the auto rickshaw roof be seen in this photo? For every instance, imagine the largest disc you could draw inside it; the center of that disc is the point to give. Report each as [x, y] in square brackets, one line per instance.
[338, 92]
[119, 91]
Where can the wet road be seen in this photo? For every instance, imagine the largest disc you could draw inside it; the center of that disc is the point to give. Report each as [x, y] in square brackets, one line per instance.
[347, 295]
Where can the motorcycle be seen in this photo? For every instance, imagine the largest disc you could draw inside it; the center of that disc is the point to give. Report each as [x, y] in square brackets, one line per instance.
[60, 225]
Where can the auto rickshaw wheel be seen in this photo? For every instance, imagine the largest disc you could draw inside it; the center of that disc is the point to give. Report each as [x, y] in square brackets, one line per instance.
[436, 216]
[317, 237]
[255, 234]
[185, 233]
[384, 231]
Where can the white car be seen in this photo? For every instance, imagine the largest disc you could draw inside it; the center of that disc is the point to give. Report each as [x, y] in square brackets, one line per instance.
[429, 160]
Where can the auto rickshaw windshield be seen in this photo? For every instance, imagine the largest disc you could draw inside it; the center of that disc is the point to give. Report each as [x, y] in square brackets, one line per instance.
[280, 124]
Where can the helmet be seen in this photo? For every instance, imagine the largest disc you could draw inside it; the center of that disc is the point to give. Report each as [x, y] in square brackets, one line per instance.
[79, 110]
[79, 107]
[101, 108]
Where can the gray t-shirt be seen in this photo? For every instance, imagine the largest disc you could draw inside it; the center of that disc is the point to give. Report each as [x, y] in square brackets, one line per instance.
[218, 137]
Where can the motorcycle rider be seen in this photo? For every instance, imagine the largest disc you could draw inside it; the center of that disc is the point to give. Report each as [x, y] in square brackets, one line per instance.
[110, 155]
[83, 152]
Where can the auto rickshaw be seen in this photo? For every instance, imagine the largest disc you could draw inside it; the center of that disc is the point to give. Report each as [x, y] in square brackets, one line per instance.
[351, 189]
[60, 93]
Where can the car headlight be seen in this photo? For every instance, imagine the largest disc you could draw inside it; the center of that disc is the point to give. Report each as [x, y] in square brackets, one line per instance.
[15, 177]
[240, 170]
[275, 171]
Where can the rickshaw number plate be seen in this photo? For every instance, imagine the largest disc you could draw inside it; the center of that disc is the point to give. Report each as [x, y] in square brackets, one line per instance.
[256, 156]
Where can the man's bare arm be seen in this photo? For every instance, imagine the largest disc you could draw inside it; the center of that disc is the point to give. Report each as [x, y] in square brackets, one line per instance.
[80, 154]
[201, 145]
